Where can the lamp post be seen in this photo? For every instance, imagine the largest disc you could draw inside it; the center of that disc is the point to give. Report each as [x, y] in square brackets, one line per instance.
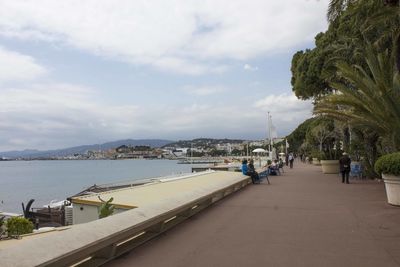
[270, 138]
[191, 153]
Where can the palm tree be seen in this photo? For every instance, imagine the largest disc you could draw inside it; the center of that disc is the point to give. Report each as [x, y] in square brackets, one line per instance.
[367, 98]
[336, 7]
[106, 208]
[382, 26]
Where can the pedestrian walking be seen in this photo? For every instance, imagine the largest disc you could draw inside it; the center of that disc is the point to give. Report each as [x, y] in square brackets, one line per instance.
[345, 162]
[291, 159]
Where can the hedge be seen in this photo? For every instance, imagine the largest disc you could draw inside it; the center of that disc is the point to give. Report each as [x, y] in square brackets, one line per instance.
[388, 164]
[19, 226]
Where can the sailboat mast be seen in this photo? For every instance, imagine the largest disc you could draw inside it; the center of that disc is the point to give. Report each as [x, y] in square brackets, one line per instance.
[269, 133]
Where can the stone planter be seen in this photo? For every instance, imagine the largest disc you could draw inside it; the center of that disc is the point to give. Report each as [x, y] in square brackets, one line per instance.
[330, 166]
[316, 162]
[392, 185]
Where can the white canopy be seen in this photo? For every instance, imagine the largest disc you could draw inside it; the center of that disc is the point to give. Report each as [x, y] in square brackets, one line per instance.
[259, 150]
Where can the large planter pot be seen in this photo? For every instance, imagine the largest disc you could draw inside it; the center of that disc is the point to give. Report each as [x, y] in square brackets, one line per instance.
[316, 162]
[392, 185]
[330, 166]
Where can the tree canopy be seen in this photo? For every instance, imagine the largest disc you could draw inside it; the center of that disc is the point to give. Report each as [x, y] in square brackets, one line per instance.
[353, 75]
[352, 26]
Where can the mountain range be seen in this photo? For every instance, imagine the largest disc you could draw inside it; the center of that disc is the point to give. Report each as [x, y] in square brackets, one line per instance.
[32, 153]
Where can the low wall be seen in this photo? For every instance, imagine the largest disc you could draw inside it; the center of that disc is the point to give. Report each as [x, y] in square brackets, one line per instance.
[94, 243]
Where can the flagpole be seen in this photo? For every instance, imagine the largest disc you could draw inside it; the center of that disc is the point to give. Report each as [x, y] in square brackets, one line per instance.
[270, 137]
[286, 145]
[270, 133]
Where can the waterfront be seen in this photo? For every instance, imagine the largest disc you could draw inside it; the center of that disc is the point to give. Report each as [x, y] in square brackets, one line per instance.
[49, 180]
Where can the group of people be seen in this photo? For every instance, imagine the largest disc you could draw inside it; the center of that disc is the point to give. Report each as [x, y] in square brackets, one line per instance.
[275, 167]
[249, 170]
[271, 168]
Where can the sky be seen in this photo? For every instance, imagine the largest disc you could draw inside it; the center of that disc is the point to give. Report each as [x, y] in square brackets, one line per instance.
[83, 72]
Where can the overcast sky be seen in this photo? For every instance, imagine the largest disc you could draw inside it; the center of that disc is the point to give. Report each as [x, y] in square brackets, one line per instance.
[82, 72]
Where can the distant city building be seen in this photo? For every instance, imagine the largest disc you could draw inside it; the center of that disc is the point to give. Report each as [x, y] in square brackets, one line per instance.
[224, 147]
[257, 143]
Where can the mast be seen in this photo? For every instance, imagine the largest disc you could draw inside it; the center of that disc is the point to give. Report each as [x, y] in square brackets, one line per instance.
[271, 139]
[191, 153]
[269, 133]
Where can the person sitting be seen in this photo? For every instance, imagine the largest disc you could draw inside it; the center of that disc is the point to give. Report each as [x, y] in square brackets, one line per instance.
[251, 171]
[274, 168]
[244, 167]
[277, 166]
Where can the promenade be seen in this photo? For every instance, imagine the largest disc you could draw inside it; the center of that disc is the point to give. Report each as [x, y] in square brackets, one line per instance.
[304, 218]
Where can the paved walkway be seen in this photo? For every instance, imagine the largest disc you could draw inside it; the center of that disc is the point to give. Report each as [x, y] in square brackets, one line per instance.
[304, 218]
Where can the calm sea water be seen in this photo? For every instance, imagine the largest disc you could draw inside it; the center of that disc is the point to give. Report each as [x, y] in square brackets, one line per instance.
[56, 180]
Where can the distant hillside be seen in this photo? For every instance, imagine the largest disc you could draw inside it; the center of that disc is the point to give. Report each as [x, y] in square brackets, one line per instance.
[203, 142]
[83, 149]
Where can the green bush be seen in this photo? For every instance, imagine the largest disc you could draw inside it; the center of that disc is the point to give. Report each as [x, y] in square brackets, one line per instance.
[317, 154]
[19, 226]
[388, 164]
[331, 155]
[106, 208]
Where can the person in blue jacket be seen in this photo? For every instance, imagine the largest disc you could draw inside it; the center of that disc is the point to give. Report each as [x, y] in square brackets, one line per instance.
[250, 171]
[244, 167]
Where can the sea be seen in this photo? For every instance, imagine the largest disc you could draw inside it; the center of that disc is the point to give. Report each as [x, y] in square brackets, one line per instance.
[47, 180]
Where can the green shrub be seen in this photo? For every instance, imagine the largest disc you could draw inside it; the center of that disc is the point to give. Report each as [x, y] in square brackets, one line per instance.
[388, 164]
[106, 208]
[331, 155]
[317, 154]
[19, 226]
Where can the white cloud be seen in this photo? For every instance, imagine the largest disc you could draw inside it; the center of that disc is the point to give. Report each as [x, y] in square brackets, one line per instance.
[60, 115]
[248, 67]
[185, 36]
[15, 66]
[204, 90]
[287, 110]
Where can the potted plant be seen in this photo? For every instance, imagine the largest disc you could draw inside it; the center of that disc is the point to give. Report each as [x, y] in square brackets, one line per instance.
[389, 166]
[330, 162]
[316, 157]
